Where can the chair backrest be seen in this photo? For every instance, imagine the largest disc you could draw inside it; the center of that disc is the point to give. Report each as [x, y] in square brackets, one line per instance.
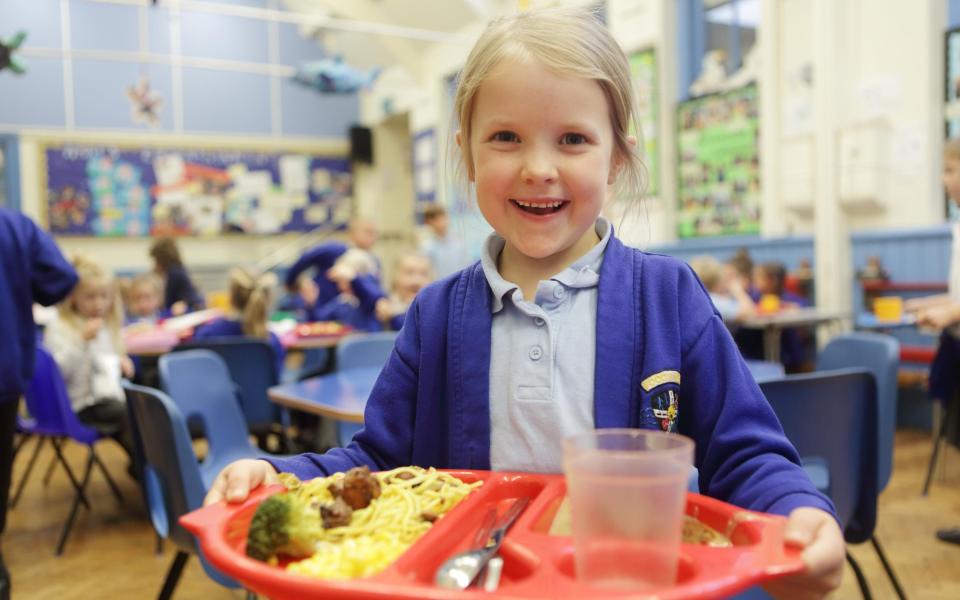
[171, 474]
[833, 415]
[365, 349]
[200, 385]
[252, 365]
[763, 370]
[49, 405]
[880, 353]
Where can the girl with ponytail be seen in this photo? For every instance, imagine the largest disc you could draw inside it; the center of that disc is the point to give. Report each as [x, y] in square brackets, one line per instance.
[250, 300]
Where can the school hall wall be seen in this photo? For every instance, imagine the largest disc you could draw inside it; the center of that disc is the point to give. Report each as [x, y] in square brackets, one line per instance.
[229, 90]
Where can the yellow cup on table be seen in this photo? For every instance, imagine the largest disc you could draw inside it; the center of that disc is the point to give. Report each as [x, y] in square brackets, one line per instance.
[769, 303]
[888, 308]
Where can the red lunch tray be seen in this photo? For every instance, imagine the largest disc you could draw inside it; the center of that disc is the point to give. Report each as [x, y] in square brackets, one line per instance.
[536, 564]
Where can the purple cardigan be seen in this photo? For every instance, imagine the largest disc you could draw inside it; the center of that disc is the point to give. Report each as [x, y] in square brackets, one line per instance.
[430, 406]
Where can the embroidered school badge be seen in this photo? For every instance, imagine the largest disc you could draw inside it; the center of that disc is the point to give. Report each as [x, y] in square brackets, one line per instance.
[665, 407]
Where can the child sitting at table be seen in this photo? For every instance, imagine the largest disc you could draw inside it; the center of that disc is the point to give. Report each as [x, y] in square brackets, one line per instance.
[411, 273]
[359, 290]
[86, 344]
[301, 300]
[144, 297]
[250, 299]
[561, 328]
[727, 294]
[179, 294]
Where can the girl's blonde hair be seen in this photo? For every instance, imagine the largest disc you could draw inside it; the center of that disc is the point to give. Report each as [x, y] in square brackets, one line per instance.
[91, 273]
[568, 41]
[250, 296]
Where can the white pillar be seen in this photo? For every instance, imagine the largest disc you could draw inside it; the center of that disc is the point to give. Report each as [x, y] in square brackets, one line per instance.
[833, 269]
[772, 219]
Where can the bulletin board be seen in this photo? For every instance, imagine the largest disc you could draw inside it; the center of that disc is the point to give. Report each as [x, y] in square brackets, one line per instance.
[107, 191]
[719, 164]
[643, 73]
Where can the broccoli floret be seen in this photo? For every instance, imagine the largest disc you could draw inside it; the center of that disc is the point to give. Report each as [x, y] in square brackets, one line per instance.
[283, 524]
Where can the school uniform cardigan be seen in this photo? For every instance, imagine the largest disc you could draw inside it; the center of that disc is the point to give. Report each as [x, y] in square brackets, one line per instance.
[31, 269]
[655, 326]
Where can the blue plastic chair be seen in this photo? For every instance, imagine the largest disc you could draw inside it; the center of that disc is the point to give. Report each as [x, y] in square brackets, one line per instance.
[253, 368]
[764, 370]
[832, 416]
[200, 385]
[171, 476]
[52, 418]
[357, 351]
[880, 353]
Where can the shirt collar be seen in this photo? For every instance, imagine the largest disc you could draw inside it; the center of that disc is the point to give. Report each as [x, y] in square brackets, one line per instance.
[583, 272]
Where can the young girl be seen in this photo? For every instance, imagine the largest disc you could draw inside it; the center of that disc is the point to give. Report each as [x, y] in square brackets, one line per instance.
[179, 294]
[561, 328]
[249, 300]
[144, 296]
[411, 273]
[85, 342]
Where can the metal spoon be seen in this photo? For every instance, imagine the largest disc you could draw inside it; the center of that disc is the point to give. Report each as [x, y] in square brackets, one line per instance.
[459, 571]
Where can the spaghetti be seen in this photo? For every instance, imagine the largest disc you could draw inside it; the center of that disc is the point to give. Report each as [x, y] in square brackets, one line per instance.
[410, 499]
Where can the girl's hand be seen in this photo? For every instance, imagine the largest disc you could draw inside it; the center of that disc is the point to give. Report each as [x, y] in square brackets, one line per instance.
[938, 317]
[178, 308]
[91, 328]
[126, 366]
[824, 551]
[238, 478]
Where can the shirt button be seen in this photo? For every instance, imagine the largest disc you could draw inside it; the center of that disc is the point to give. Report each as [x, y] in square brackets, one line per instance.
[535, 353]
[559, 292]
[539, 322]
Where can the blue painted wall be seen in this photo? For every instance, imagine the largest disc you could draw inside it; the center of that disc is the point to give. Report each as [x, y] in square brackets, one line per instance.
[215, 97]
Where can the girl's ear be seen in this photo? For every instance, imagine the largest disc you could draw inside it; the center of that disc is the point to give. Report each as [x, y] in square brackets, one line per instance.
[616, 165]
[459, 139]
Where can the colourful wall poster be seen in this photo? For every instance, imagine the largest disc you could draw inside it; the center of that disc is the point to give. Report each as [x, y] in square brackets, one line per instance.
[952, 99]
[718, 164]
[108, 191]
[643, 72]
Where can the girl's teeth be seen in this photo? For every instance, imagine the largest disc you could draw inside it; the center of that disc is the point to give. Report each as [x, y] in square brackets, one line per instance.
[545, 205]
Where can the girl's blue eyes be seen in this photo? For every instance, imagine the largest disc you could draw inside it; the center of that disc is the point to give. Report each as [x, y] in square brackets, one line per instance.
[571, 139]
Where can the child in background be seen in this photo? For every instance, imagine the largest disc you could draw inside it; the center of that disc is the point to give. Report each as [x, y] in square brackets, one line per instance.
[726, 292]
[86, 344]
[32, 269]
[412, 272]
[301, 300]
[447, 252]
[559, 309]
[144, 296]
[942, 311]
[179, 294]
[250, 299]
[769, 279]
[362, 235]
[358, 292]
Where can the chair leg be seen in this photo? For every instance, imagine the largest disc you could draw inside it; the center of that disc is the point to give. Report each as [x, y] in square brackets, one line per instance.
[48, 474]
[888, 568]
[26, 474]
[251, 595]
[937, 438]
[861, 580]
[73, 479]
[159, 546]
[173, 575]
[76, 505]
[106, 475]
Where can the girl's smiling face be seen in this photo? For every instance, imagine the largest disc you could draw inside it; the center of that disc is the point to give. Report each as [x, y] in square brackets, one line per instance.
[543, 158]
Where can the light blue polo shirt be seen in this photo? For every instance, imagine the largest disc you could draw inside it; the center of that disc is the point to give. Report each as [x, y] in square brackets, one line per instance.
[541, 360]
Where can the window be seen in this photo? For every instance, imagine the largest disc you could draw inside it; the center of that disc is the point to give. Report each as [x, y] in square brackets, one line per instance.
[727, 26]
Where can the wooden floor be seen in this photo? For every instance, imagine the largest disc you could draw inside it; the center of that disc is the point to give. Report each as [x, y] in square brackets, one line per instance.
[111, 551]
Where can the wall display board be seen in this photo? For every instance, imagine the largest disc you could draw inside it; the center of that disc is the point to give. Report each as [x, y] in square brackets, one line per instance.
[952, 98]
[643, 72]
[130, 191]
[718, 164]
